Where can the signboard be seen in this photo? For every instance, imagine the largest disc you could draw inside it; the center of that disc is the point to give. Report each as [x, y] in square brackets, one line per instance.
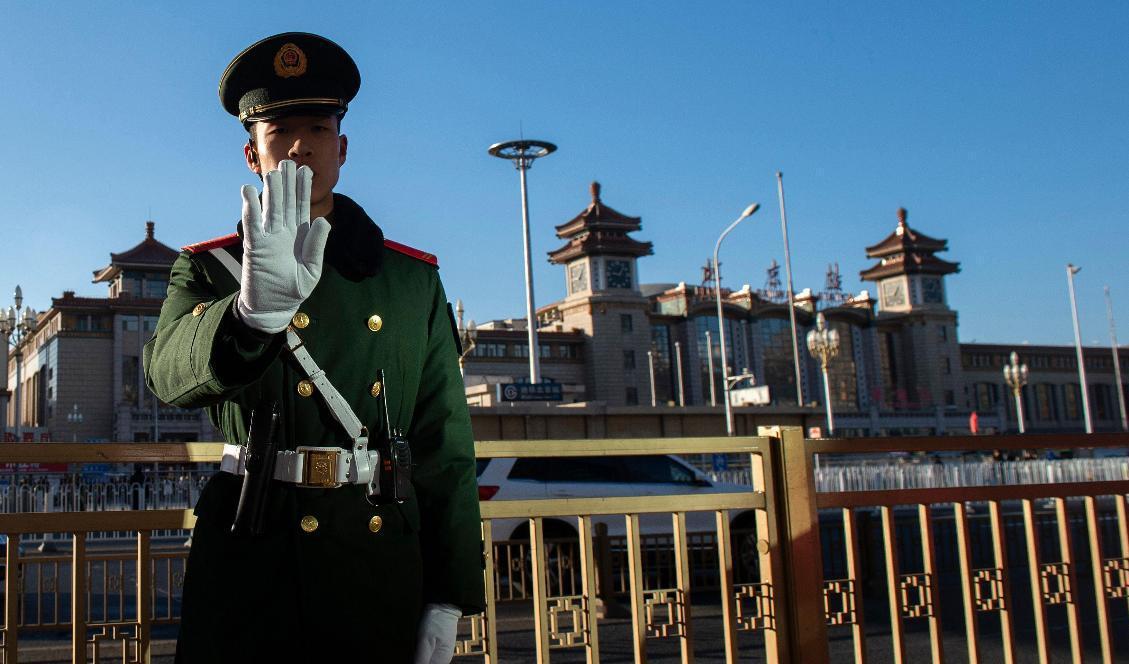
[749, 396]
[530, 392]
[33, 467]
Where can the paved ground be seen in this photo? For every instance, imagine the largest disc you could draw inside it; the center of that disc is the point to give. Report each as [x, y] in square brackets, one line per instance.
[515, 638]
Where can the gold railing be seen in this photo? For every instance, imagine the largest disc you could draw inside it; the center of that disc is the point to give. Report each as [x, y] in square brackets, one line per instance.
[789, 602]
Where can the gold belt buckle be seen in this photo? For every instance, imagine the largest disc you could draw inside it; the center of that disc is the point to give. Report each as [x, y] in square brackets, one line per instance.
[320, 469]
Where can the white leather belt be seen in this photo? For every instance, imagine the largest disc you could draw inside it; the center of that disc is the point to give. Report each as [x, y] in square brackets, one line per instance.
[310, 467]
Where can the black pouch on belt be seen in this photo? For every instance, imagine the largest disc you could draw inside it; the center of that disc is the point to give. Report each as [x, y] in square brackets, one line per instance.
[262, 451]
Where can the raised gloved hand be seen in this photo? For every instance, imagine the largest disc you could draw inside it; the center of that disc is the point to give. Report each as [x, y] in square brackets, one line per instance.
[438, 626]
[282, 250]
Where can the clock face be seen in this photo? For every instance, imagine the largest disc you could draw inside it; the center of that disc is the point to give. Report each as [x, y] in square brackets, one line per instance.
[619, 274]
[577, 277]
[893, 294]
[931, 292]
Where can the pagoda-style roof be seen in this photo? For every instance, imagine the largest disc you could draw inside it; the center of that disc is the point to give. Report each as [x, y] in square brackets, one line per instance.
[906, 251]
[599, 230]
[149, 254]
[905, 239]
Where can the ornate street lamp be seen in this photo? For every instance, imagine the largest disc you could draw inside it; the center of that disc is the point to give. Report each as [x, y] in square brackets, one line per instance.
[523, 153]
[15, 328]
[468, 336]
[748, 212]
[823, 342]
[75, 418]
[1015, 375]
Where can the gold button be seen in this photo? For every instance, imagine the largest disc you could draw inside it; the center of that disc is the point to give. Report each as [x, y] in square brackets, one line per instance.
[375, 523]
[375, 390]
[305, 388]
[199, 309]
[300, 320]
[375, 323]
[309, 523]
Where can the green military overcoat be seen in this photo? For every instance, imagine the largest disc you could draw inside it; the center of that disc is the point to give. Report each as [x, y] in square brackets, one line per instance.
[354, 585]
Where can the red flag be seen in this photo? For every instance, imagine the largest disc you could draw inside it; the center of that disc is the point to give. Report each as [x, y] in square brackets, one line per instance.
[974, 423]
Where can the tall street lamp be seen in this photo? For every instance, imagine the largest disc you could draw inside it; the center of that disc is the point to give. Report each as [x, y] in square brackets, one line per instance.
[1071, 270]
[468, 336]
[823, 342]
[19, 323]
[523, 153]
[1015, 375]
[791, 294]
[1116, 362]
[651, 368]
[749, 211]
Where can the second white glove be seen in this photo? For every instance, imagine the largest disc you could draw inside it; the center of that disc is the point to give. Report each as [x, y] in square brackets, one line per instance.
[438, 628]
[282, 249]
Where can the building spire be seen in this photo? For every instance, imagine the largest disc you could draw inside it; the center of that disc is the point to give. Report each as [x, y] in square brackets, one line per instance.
[149, 230]
[595, 189]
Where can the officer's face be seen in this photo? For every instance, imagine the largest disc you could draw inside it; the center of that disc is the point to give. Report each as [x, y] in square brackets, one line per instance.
[310, 140]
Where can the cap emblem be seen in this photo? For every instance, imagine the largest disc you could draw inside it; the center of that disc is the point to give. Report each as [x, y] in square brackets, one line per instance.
[290, 61]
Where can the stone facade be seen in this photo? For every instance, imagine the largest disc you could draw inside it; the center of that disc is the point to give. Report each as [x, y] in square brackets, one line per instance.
[84, 358]
[901, 368]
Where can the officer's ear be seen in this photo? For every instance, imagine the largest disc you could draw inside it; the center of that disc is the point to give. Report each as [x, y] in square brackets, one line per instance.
[251, 155]
[344, 142]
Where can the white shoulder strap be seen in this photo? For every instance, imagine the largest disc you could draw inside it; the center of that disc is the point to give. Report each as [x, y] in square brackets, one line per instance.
[336, 403]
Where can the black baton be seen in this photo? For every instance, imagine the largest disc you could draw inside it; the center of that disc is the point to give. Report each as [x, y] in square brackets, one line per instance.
[262, 450]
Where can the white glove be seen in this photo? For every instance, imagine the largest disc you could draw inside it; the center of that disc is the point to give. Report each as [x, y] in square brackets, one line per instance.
[282, 250]
[438, 626]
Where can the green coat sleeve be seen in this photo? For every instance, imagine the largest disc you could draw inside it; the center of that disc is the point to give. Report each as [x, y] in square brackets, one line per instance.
[202, 356]
[444, 473]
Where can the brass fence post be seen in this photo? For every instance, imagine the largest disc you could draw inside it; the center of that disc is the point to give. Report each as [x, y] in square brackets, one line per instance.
[12, 591]
[604, 584]
[800, 616]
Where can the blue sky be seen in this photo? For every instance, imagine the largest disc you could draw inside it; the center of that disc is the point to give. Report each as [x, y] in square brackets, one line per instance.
[1000, 126]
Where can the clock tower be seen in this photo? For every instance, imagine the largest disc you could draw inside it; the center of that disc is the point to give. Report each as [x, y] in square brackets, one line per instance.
[604, 301]
[908, 275]
[915, 330]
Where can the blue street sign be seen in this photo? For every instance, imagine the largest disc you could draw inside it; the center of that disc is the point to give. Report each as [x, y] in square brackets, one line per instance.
[530, 392]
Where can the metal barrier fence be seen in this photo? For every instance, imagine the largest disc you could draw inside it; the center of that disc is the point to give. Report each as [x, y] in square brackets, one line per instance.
[807, 564]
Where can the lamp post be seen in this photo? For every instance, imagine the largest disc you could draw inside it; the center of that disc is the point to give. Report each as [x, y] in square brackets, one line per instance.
[791, 295]
[823, 342]
[678, 370]
[523, 153]
[1071, 270]
[468, 336]
[651, 368]
[75, 418]
[1116, 362]
[709, 367]
[1015, 375]
[748, 212]
[19, 323]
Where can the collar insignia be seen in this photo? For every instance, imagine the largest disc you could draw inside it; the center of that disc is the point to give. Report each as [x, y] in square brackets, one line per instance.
[290, 61]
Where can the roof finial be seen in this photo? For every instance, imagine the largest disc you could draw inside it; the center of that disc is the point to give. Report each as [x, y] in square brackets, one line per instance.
[901, 216]
[148, 230]
[595, 189]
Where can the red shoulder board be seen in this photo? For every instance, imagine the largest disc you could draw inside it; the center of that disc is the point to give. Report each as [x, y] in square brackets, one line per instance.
[430, 259]
[214, 243]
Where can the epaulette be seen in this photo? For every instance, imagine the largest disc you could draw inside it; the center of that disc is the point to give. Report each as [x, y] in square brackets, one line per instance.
[214, 243]
[430, 259]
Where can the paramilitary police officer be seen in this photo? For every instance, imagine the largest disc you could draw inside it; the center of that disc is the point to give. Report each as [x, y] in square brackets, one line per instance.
[307, 306]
